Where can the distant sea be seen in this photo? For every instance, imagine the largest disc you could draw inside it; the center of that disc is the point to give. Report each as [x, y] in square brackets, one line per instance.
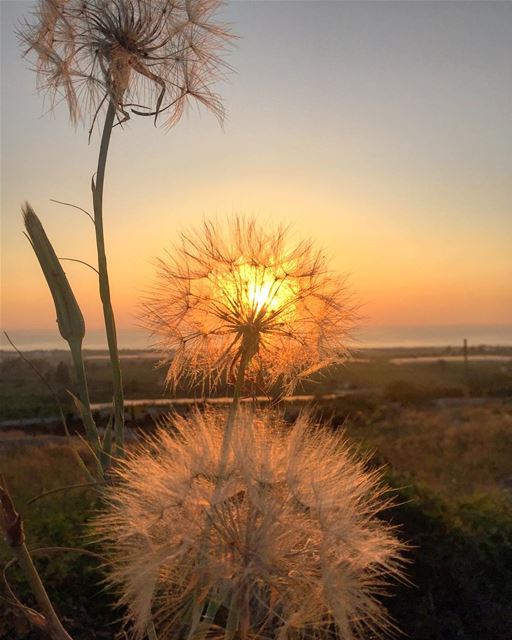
[370, 337]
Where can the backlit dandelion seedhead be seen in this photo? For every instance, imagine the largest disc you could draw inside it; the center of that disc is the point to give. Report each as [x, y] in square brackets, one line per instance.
[241, 295]
[286, 546]
[145, 56]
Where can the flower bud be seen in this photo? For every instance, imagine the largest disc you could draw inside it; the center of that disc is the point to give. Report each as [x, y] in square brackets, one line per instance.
[69, 317]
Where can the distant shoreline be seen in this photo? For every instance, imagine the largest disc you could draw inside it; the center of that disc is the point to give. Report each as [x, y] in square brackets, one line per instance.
[387, 337]
[398, 353]
[419, 337]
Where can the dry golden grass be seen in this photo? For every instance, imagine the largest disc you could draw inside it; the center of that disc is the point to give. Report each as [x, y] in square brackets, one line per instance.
[459, 450]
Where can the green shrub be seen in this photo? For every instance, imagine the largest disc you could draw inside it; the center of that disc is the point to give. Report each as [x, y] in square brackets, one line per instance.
[461, 567]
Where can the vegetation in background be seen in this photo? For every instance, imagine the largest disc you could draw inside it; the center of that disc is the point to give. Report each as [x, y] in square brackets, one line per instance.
[461, 570]
[22, 395]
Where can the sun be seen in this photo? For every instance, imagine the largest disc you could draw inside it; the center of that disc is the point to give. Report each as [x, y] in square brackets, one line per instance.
[256, 292]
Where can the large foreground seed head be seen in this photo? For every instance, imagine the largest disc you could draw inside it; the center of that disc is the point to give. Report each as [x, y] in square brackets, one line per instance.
[288, 544]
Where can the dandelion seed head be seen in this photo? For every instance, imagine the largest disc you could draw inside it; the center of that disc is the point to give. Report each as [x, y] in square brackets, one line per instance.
[149, 57]
[228, 288]
[292, 542]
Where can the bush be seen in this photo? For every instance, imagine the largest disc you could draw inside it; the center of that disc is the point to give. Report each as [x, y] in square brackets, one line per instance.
[461, 567]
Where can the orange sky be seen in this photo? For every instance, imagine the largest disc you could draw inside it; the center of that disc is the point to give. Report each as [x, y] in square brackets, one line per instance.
[391, 150]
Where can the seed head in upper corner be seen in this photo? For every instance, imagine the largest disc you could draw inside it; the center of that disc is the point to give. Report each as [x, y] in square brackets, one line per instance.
[145, 56]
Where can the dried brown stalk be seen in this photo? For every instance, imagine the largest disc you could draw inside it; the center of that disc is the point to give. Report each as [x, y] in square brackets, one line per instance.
[12, 526]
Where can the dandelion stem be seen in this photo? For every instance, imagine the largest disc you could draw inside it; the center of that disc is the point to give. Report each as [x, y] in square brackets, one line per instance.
[245, 358]
[104, 285]
[12, 526]
[83, 392]
[24, 559]
[237, 393]
[151, 631]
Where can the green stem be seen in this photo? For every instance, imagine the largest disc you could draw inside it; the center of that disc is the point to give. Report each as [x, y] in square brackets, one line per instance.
[151, 631]
[237, 393]
[83, 393]
[247, 351]
[108, 312]
[246, 354]
[55, 628]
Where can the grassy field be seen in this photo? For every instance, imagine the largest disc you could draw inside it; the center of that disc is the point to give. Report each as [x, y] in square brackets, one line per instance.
[447, 460]
[456, 451]
[450, 469]
[24, 395]
[73, 580]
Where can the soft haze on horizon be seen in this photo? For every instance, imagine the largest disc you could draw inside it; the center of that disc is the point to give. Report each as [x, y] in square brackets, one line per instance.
[380, 129]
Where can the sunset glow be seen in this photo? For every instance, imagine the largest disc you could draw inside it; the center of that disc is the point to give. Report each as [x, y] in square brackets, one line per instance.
[408, 192]
[258, 289]
[236, 294]
[256, 272]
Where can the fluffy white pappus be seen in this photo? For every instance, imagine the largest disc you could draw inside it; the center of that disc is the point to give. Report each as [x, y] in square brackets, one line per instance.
[146, 57]
[238, 290]
[287, 544]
